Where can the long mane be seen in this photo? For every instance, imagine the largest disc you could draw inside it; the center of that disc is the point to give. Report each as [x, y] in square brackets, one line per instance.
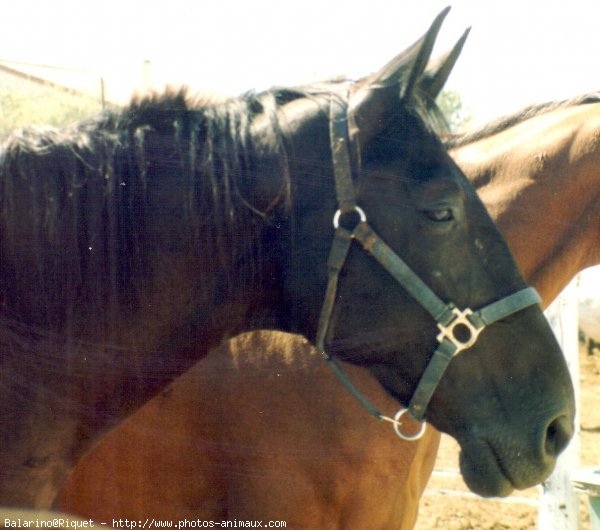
[78, 206]
[77, 202]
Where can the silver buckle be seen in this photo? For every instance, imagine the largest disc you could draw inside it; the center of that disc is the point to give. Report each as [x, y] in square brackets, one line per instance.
[460, 319]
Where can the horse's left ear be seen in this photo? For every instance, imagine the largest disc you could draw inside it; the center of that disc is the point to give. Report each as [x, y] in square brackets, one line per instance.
[374, 96]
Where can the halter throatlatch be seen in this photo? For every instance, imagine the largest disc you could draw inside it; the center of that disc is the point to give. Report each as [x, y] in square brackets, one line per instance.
[459, 329]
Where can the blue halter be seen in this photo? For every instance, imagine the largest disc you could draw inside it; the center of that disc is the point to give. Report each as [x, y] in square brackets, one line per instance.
[447, 316]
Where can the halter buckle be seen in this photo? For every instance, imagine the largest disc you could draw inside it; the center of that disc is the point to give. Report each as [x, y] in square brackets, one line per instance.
[462, 324]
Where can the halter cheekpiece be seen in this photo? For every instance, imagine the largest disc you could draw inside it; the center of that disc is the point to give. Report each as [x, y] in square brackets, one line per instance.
[459, 329]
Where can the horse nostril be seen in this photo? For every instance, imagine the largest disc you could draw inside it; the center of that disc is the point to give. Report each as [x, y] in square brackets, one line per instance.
[558, 435]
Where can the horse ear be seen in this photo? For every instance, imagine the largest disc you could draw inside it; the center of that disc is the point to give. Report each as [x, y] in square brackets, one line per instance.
[375, 95]
[438, 70]
[419, 54]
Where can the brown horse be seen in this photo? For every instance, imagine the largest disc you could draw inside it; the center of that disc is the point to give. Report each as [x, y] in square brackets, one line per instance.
[537, 173]
[291, 444]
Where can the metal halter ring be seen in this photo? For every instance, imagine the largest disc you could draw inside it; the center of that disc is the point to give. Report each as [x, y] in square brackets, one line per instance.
[408, 437]
[357, 209]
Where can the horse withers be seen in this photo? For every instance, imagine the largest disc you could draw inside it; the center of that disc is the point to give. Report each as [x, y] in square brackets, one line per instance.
[133, 244]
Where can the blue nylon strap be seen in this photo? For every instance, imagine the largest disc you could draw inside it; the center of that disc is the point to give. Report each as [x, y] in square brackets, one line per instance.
[402, 273]
[337, 256]
[446, 351]
[430, 379]
[507, 306]
[343, 378]
[447, 316]
[340, 153]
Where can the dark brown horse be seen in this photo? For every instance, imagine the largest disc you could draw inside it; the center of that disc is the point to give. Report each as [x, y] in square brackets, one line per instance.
[291, 443]
[133, 244]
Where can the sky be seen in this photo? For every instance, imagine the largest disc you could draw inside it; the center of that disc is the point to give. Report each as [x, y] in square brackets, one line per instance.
[518, 52]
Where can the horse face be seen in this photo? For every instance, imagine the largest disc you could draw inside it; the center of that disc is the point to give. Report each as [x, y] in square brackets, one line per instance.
[508, 399]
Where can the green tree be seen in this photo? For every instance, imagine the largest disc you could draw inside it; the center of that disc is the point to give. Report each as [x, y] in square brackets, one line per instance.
[451, 105]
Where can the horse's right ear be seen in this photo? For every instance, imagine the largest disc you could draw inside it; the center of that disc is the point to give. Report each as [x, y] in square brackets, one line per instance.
[438, 70]
[376, 96]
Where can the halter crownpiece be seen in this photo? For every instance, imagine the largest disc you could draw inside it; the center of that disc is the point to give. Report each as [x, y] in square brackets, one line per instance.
[459, 329]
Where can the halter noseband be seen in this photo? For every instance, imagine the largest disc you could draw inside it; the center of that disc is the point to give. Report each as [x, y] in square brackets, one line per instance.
[447, 316]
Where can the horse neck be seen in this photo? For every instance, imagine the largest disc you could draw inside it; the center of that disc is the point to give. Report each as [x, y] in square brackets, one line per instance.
[84, 346]
[540, 181]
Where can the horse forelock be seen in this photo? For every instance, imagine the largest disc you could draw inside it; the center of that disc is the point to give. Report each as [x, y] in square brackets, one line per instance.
[506, 122]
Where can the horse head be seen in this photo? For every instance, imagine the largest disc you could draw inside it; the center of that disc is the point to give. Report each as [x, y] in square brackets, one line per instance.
[504, 393]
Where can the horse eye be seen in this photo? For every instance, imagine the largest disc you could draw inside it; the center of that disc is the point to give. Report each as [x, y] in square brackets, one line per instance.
[440, 215]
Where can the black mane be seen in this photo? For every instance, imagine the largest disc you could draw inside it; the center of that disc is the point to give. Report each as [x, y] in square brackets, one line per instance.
[77, 203]
[81, 199]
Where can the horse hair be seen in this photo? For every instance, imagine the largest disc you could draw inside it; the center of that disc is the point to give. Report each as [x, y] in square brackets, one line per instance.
[505, 122]
[84, 191]
[79, 197]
